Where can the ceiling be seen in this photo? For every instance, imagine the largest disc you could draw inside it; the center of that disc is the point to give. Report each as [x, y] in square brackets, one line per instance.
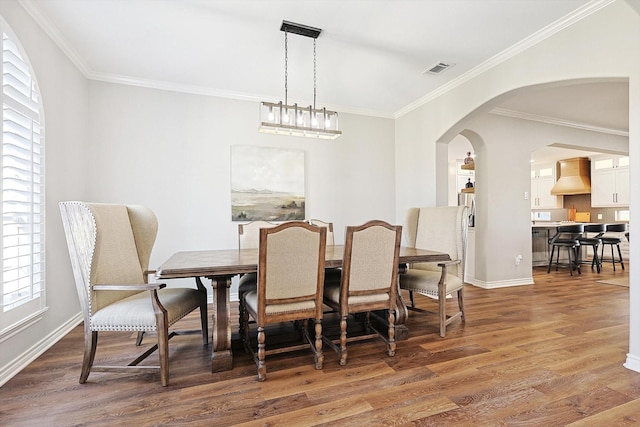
[371, 54]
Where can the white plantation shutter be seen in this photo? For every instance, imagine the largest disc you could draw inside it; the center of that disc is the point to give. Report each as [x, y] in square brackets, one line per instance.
[23, 261]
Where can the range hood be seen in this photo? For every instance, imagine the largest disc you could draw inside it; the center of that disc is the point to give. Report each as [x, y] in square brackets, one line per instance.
[574, 177]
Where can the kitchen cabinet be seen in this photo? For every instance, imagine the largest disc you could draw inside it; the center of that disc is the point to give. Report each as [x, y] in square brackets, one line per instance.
[542, 180]
[609, 181]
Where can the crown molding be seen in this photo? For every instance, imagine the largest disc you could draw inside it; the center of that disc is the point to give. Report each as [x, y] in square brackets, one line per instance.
[556, 121]
[551, 29]
[52, 31]
[208, 91]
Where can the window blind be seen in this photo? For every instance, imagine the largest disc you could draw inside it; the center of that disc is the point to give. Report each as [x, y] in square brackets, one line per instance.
[23, 257]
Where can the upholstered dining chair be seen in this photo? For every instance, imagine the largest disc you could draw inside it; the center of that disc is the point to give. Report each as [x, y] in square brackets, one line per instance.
[110, 246]
[331, 275]
[369, 282]
[290, 288]
[248, 238]
[443, 229]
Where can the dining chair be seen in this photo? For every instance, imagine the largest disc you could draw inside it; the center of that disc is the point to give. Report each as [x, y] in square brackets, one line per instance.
[331, 275]
[109, 247]
[369, 282]
[290, 288]
[442, 229]
[248, 238]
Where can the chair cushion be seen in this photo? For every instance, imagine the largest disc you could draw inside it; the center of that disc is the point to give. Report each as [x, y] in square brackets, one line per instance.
[426, 282]
[251, 302]
[332, 293]
[135, 313]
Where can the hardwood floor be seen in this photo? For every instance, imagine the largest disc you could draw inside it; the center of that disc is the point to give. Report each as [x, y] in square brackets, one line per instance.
[542, 355]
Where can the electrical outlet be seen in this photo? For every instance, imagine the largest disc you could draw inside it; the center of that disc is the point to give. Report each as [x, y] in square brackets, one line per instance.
[518, 259]
[599, 216]
[526, 195]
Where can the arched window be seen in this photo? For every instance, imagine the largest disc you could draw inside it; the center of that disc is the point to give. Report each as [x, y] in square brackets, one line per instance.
[22, 189]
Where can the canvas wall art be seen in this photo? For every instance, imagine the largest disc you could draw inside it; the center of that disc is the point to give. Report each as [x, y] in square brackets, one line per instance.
[267, 184]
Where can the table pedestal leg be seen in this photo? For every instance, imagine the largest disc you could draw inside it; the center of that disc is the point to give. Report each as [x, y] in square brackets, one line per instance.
[221, 355]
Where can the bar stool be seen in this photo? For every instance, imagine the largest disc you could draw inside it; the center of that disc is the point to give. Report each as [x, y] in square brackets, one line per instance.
[594, 242]
[613, 241]
[567, 237]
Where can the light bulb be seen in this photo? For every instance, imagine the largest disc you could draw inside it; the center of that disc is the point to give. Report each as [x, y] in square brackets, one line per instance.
[271, 116]
[314, 120]
[300, 119]
[285, 117]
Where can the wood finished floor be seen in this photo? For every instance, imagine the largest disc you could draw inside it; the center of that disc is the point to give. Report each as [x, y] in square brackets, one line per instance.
[549, 354]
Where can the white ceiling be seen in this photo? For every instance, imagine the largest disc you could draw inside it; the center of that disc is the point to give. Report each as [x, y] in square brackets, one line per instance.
[371, 54]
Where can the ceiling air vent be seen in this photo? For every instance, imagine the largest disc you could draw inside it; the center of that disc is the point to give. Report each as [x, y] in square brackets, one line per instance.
[438, 68]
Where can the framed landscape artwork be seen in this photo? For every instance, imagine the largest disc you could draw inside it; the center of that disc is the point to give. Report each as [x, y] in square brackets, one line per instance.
[267, 184]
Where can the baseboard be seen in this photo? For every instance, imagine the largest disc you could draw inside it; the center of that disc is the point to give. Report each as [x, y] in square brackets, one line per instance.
[632, 363]
[501, 283]
[15, 366]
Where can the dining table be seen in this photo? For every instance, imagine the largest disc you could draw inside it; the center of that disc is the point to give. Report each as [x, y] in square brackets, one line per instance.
[220, 266]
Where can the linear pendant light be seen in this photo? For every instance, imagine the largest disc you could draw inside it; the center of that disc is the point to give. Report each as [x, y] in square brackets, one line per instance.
[284, 119]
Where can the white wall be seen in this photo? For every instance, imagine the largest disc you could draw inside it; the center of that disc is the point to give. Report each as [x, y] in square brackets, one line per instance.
[171, 152]
[64, 93]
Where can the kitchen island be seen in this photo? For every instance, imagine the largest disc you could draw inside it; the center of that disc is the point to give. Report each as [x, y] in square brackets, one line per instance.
[542, 231]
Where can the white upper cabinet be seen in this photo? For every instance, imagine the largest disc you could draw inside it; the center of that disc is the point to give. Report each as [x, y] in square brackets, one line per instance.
[609, 181]
[542, 180]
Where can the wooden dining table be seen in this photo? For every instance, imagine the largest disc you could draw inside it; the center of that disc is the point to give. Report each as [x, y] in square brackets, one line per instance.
[221, 265]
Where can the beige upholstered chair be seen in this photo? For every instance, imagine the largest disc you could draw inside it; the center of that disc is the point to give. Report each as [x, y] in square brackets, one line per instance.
[109, 246]
[290, 286]
[331, 275]
[442, 229]
[248, 238]
[369, 281]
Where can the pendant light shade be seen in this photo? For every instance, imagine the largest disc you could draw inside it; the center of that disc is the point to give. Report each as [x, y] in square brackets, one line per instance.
[308, 121]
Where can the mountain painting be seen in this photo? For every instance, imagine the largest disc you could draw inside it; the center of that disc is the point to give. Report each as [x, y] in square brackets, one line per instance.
[267, 184]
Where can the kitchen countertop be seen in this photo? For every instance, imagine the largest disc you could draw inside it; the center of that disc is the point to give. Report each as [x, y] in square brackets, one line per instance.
[554, 224]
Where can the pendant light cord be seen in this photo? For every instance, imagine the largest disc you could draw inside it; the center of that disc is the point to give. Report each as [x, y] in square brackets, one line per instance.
[314, 74]
[286, 73]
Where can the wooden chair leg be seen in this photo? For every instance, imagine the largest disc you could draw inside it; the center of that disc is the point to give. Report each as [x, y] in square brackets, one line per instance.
[343, 340]
[391, 334]
[262, 367]
[318, 355]
[90, 344]
[203, 312]
[442, 298]
[163, 350]
[139, 338]
[461, 303]
[204, 322]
